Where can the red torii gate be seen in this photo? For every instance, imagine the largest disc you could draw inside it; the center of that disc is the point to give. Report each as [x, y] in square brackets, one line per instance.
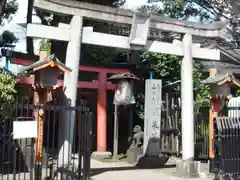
[101, 84]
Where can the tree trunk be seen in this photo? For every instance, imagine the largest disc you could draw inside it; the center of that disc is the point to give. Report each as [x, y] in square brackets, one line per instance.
[30, 48]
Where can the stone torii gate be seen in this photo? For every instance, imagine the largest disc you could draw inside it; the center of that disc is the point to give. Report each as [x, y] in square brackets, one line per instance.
[75, 34]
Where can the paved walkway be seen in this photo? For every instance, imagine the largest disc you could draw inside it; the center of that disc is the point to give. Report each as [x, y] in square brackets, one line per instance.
[123, 170]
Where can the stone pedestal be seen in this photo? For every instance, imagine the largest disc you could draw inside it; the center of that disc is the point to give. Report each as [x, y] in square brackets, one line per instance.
[101, 155]
[133, 154]
[187, 168]
[152, 162]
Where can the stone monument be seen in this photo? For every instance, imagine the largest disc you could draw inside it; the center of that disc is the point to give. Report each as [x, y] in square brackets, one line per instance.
[152, 156]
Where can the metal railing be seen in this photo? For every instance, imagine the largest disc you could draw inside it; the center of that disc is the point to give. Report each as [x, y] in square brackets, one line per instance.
[17, 156]
[227, 148]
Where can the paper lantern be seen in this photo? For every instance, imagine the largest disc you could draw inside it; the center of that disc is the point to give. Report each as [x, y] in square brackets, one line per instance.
[124, 93]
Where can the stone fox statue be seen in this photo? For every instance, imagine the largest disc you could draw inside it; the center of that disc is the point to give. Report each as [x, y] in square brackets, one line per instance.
[137, 139]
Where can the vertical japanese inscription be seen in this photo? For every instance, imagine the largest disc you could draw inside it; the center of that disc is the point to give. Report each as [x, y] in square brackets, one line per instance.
[152, 110]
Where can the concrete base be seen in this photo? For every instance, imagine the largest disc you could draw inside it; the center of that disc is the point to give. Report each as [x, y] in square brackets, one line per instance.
[101, 155]
[189, 169]
[152, 162]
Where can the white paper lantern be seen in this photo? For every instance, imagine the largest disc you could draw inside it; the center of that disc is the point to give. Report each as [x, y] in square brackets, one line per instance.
[124, 93]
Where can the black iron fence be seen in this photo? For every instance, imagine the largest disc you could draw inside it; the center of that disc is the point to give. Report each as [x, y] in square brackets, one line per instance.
[18, 156]
[201, 132]
[227, 148]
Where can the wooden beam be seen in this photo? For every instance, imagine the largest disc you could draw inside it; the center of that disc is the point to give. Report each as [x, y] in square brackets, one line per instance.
[109, 40]
[118, 15]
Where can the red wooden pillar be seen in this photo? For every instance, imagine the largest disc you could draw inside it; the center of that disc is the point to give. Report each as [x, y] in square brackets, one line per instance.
[40, 99]
[101, 113]
[214, 109]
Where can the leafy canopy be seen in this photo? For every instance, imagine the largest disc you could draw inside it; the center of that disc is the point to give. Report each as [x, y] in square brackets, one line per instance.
[7, 88]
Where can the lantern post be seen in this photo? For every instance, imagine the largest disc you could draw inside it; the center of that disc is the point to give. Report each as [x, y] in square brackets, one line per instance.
[123, 96]
[46, 72]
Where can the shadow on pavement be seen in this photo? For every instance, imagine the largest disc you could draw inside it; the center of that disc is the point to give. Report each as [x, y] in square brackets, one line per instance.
[96, 171]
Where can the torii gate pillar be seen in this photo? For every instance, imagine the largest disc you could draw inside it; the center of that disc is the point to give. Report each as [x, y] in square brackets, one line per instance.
[187, 100]
[70, 89]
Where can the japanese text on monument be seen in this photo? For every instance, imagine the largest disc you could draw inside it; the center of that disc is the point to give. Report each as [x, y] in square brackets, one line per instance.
[152, 122]
[153, 109]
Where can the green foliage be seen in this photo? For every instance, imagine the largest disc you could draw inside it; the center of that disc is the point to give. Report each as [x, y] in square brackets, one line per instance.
[7, 82]
[202, 91]
[45, 45]
[8, 94]
[174, 9]
[7, 88]
[238, 92]
[203, 131]
[168, 68]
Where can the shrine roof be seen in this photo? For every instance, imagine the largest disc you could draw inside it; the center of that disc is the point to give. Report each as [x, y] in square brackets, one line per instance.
[222, 78]
[50, 61]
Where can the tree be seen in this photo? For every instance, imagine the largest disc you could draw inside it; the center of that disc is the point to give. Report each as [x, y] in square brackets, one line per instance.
[168, 68]
[7, 81]
[7, 88]
[7, 9]
[213, 10]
